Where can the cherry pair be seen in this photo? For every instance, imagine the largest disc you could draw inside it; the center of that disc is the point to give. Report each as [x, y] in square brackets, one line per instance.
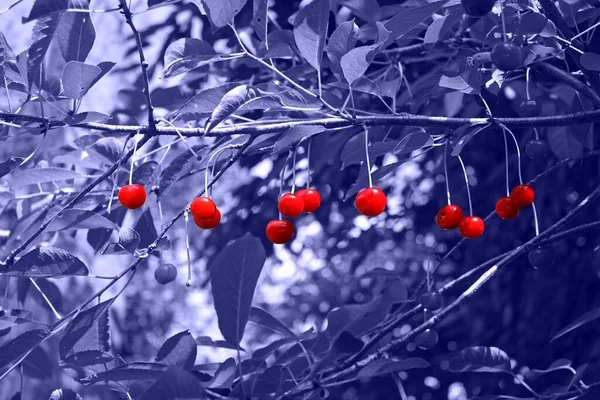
[132, 196]
[452, 217]
[509, 207]
[205, 212]
[370, 201]
[281, 231]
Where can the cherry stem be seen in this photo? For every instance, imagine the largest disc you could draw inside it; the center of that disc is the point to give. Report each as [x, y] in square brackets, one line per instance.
[487, 108]
[518, 152]
[446, 173]
[308, 162]
[116, 174]
[132, 162]
[535, 220]
[282, 178]
[188, 283]
[467, 183]
[503, 22]
[213, 170]
[506, 154]
[367, 155]
[294, 168]
[182, 138]
[429, 274]
[527, 73]
[537, 135]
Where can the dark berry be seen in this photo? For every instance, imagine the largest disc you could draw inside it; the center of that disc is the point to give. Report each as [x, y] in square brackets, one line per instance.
[431, 300]
[471, 227]
[478, 8]
[209, 223]
[290, 205]
[427, 339]
[280, 231]
[449, 217]
[523, 195]
[536, 148]
[311, 198]
[507, 208]
[506, 57]
[132, 196]
[370, 201]
[541, 257]
[530, 108]
[203, 207]
[165, 273]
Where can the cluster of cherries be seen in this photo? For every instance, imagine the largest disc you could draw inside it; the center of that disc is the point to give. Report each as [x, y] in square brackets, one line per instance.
[281, 231]
[510, 206]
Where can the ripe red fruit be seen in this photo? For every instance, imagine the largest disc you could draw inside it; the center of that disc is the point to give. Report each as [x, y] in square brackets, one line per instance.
[427, 339]
[280, 231]
[471, 227]
[506, 56]
[209, 223]
[507, 208]
[478, 8]
[370, 201]
[530, 108]
[203, 207]
[311, 198]
[165, 273]
[449, 217]
[541, 257]
[431, 300]
[290, 205]
[536, 148]
[523, 195]
[132, 196]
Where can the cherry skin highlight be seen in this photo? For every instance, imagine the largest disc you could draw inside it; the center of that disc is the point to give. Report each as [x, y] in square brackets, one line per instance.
[280, 231]
[311, 198]
[507, 208]
[370, 201]
[449, 217]
[132, 196]
[523, 195]
[165, 273]
[209, 223]
[203, 207]
[471, 227]
[290, 205]
[427, 339]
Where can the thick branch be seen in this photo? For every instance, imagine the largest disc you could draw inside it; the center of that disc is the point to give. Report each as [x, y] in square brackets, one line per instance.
[570, 80]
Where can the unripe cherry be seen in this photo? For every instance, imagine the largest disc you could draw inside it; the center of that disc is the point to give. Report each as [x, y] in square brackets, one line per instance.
[132, 196]
[165, 273]
[427, 339]
[370, 201]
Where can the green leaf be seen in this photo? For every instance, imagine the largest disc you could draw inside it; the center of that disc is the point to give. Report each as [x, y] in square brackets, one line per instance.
[37, 364]
[179, 350]
[463, 135]
[224, 376]
[87, 116]
[205, 101]
[64, 394]
[87, 331]
[44, 8]
[129, 241]
[176, 384]
[375, 150]
[74, 219]
[220, 12]
[136, 371]
[234, 274]
[440, 28]
[109, 148]
[590, 61]
[562, 143]
[480, 359]
[176, 169]
[186, 54]
[294, 134]
[264, 352]
[77, 78]
[34, 176]
[310, 31]
[582, 320]
[386, 366]
[263, 318]
[48, 261]
[144, 174]
[75, 35]
[413, 141]
[356, 62]
[229, 103]
[260, 19]
[42, 35]
[342, 40]
[16, 316]
[219, 344]
[555, 366]
[12, 351]
[405, 21]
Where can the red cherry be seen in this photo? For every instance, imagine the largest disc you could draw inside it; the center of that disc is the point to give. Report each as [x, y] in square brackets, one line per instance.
[290, 205]
[523, 195]
[132, 196]
[280, 231]
[209, 223]
[471, 227]
[370, 201]
[203, 207]
[449, 217]
[311, 198]
[507, 208]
